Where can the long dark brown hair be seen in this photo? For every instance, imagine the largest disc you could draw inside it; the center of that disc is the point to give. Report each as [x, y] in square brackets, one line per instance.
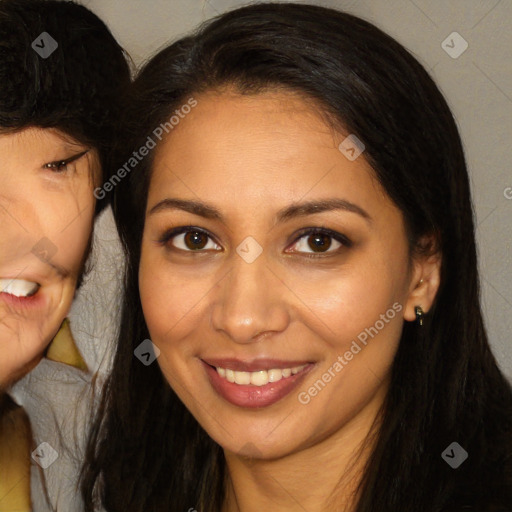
[146, 452]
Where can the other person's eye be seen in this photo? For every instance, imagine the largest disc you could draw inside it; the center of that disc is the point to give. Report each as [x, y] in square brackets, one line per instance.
[60, 166]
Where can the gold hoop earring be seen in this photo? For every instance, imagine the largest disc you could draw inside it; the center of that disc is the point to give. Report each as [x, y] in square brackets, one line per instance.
[419, 315]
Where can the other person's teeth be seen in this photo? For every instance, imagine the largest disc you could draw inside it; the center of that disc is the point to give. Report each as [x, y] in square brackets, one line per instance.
[259, 378]
[18, 287]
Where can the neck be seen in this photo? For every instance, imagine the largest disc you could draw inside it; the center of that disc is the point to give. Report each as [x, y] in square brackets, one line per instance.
[323, 476]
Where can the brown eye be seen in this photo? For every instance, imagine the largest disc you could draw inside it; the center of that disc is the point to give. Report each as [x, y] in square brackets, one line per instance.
[57, 166]
[189, 240]
[61, 166]
[195, 240]
[319, 242]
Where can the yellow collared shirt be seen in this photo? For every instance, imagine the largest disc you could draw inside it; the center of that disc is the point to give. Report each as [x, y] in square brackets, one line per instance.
[15, 433]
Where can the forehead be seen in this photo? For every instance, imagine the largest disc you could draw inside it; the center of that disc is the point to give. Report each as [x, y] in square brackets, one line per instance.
[32, 147]
[38, 138]
[237, 123]
[240, 141]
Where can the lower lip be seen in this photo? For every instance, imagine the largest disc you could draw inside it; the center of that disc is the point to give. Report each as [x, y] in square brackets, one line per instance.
[36, 301]
[254, 396]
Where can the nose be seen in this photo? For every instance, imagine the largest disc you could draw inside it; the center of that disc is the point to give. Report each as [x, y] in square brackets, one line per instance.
[23, 249]
[17, 210]
[251, 302]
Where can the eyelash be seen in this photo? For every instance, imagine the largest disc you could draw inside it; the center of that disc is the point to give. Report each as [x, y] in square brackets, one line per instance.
[60, 166]
[342, 239]
[57, 167]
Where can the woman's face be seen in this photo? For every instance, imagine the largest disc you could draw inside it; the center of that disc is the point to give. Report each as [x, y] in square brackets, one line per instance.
[46, 212]
[272, 258]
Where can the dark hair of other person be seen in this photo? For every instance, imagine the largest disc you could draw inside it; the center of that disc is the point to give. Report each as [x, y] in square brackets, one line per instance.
[146, 451]
[76, 90]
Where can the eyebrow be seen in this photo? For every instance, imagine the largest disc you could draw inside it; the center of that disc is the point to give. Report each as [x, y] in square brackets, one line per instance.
[293, 211]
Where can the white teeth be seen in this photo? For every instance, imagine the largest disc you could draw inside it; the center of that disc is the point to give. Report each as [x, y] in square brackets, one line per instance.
[275, 375]
[18, 287]
[259, 378]
[242, 378]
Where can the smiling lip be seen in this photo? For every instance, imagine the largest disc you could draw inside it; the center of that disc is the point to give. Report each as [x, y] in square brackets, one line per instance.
[18, 287]
[253, 366]
[36, 300]
[249, 395]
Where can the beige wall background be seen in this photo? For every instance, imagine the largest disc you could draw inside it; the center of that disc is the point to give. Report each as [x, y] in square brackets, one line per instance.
[477, 84]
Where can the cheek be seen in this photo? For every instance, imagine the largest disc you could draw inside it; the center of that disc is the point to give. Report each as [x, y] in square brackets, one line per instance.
[56, 222]
[154, 297]
[360, 313]
[341, 305]
[72, 242]
[159, 295]
[172, 297]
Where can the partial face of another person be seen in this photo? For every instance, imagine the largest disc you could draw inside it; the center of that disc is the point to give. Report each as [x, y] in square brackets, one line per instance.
[46, 211]
[275, 274]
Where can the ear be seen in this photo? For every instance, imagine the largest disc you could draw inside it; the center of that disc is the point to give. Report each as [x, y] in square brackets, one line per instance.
[425, 278]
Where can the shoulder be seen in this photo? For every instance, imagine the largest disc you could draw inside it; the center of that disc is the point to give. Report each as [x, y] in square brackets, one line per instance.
[15, 445]
[14, 424]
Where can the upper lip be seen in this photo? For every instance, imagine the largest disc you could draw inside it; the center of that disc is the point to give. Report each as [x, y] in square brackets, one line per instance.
[30, 279]
[10, 289]
[253, 366]
[32, 275]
